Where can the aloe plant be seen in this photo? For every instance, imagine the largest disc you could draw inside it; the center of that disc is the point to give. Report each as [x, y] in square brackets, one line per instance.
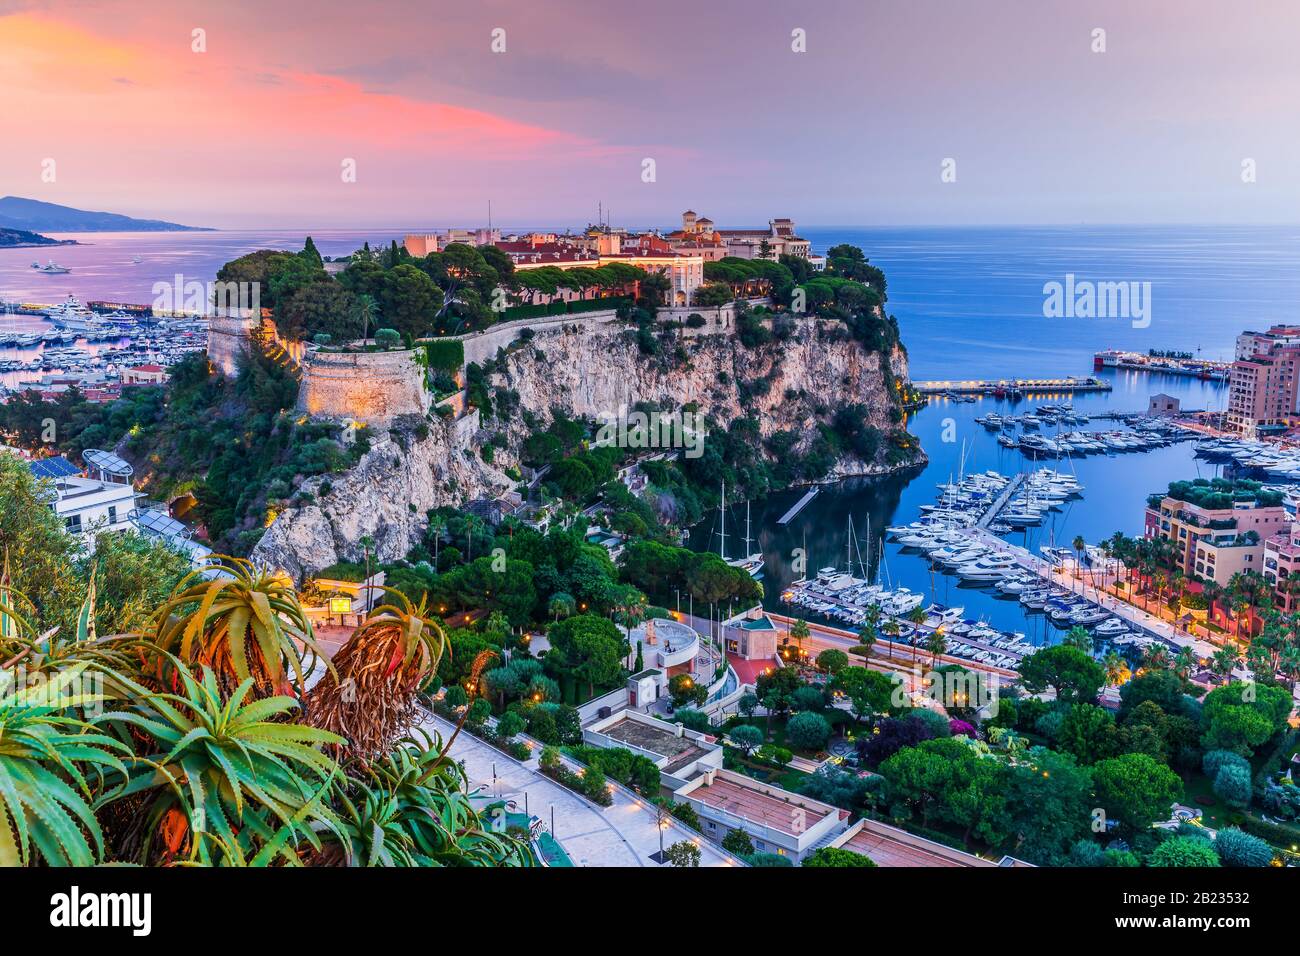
[52, 766]
[414, 809]
[245, 624]
[224, 777]
[370, 696]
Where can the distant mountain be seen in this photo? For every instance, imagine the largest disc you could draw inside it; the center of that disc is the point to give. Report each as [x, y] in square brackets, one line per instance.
[17, 238]
[34, 216]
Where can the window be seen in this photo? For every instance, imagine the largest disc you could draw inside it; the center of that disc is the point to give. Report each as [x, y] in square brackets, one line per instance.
[73, 524]
[112, 514]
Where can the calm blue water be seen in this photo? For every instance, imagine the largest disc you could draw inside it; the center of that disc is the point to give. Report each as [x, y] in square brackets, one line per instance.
[970, 300]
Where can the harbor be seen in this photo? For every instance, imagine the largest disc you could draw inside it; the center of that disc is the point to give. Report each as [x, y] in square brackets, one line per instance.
[1115, 478]
[93, 351]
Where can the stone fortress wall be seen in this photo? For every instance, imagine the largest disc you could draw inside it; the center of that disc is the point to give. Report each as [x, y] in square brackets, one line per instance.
[365, 386]
[379, 386]
[227, 338]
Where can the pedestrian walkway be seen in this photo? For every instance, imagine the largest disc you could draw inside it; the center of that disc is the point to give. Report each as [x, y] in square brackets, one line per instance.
[623, 834]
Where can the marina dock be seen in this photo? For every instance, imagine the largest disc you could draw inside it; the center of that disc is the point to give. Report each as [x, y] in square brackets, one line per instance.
[1000, 501]
[1139, 620]
[798, 506]
[1025, 386]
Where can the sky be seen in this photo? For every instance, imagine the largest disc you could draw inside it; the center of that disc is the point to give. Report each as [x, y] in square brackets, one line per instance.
[894, 112]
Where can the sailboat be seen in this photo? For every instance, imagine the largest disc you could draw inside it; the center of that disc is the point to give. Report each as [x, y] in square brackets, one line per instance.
[752, 563]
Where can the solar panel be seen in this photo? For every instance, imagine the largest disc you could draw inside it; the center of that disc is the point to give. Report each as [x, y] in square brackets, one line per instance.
[160, 523]
[58, 467]
[106, 462]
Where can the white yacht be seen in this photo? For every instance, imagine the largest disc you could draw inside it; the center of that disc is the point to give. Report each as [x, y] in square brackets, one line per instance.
[51, 268]
[71, 314]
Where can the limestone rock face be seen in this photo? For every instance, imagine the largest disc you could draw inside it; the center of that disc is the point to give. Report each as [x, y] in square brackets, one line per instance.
[593, 373]
[384, 497]
[589, 372]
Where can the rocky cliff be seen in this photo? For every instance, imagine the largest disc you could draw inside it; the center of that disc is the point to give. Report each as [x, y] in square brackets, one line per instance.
[789, 386]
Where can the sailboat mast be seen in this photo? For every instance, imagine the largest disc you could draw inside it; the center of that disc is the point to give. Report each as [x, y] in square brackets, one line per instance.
[748, 549]
[722, 511]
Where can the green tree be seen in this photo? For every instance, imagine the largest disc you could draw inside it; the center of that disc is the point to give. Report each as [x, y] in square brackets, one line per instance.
[589, 647]
[1136, 790]
[683, 854]
[870, 692]
[1184, 851]
[1069, 671]
[832, 661]
[829, 856]
[747, 737]
[1088, 732]
[1236, 848]
[410, 300]
[737, 842]
[1232, 786]
[808, 731]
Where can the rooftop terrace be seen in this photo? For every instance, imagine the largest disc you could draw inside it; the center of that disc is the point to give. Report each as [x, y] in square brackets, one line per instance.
[680, 751]
[792, 817]
[889, 846]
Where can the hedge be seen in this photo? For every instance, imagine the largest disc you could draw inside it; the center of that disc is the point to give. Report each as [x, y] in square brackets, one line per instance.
[560, 307]
[598, 305]
[446, 355]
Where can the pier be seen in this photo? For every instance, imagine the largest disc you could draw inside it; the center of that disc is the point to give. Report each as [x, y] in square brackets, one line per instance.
[1001, 501]
[1026, 386]
[798, 506]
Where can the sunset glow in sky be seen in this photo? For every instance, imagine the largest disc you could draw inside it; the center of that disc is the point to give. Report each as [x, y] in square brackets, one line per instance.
[254, 131]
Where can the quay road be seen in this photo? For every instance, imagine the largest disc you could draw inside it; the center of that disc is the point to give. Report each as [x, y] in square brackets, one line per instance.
[1026, 385]
[1134, 616]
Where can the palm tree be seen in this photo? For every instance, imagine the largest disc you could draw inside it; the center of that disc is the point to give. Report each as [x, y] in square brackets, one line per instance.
[1115, 668]
[892, 630]
[1289, 662]
[1155, 656]
[1078, 637]
[1079, 544]
[366, 309]
[799, 631]
[936, 644]
[437, 525]
[1225, 660]
[1184, 662]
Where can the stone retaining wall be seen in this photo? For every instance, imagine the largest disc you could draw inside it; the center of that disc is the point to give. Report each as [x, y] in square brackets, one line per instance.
[365, 386]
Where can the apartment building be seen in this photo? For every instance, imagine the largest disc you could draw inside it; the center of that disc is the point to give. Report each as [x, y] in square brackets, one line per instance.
[1218, 533]
[1263, 381]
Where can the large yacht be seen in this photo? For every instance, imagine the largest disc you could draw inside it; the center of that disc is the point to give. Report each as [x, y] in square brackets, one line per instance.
[71, 314]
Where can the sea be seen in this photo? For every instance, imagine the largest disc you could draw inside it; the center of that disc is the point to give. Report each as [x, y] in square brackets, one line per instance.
[970, 303]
